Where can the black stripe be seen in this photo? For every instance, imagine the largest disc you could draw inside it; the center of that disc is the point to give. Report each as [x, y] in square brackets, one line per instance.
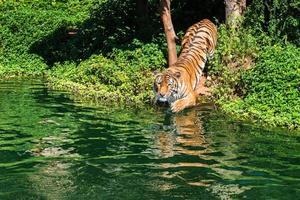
[198, 69]
[190, 61]
[203, 59]
[195, 58]
[194, 61]
[198, 49]
[203, 31]
[200, 56]
[188, 70]
[185, 68]
[197, 36]
[197, 66]
[200, 43]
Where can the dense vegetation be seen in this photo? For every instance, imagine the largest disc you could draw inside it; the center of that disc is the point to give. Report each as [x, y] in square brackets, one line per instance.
[108, 50]
[124, 75]
[272, 88]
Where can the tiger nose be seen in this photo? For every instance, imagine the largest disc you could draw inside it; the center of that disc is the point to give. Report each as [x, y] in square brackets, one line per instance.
[162, 94]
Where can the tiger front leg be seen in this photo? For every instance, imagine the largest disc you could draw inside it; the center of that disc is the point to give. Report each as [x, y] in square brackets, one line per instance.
[181, 104]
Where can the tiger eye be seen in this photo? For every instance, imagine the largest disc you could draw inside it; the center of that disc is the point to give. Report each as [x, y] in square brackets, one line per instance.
[170, 81]
[158, 80]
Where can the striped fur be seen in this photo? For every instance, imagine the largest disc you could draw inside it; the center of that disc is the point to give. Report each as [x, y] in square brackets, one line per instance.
[178, 83]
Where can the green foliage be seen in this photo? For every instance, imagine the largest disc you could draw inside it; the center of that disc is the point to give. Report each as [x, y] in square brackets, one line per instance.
[252, 77]
[236, 52]
[22, 65]
[278, 18]
[125, 75]
[23, 23]
[108, 25]
[273, 88]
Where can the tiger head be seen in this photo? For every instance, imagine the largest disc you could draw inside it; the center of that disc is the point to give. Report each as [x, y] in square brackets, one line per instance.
[167, 86]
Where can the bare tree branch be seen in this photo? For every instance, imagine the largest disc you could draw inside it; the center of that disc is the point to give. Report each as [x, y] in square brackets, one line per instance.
[165, 11]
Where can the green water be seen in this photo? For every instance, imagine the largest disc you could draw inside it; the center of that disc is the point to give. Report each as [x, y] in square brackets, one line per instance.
[52, 147]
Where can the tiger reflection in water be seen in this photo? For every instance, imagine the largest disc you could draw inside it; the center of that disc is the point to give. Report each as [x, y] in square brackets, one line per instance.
[186, 136]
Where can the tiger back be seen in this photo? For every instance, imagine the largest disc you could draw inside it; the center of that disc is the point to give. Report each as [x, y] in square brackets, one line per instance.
[198, 43]
[197, 33]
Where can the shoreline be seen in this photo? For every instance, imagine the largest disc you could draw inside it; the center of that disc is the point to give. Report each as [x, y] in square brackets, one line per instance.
[90, 94]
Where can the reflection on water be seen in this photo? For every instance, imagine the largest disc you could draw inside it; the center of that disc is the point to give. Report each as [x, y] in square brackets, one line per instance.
[52, 147]
[185, 137]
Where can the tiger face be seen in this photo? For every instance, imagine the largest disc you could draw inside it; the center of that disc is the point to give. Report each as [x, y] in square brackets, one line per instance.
[166, 87]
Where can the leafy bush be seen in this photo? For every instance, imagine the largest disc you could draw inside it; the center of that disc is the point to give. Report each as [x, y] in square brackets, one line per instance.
[125, 75]
[22, 65]
[236, 52]
[109, 24]
[23, 23]
[273, 88]
[253, 79]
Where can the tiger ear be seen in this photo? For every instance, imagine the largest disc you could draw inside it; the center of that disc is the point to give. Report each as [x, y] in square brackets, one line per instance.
[177, 74]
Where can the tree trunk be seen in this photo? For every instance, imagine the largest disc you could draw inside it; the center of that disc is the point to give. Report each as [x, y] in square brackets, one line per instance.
[165, 13]
[234, 10]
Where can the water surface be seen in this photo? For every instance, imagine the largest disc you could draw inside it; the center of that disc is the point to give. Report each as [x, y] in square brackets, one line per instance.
[52, 147]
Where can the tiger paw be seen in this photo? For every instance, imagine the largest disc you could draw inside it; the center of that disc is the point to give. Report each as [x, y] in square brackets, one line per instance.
[178, 105]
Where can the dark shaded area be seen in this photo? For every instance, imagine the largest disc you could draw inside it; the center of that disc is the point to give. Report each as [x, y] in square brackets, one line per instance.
[186, 13]
[115, 23]
[279, 19]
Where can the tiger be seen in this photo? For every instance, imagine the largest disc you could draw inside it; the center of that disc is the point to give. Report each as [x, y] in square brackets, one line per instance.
[178, 84]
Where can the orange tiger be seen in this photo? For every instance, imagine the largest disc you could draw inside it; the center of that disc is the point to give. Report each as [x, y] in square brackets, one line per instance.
[177, 85]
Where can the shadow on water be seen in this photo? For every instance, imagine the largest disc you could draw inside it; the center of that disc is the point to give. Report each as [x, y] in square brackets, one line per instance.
[54, 148]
